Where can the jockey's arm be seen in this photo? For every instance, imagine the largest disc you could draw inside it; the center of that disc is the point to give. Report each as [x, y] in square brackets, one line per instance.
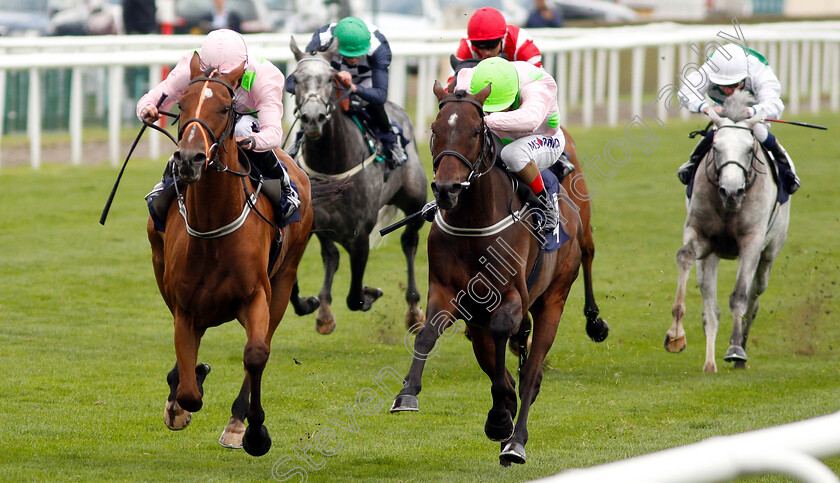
[768, 90]
[173, 86]
[379, 62]
[267, 94]
[692, 94]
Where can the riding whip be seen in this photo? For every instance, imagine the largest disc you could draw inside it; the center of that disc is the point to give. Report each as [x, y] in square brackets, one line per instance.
[813, 126]
[429, 207]
[125, 163]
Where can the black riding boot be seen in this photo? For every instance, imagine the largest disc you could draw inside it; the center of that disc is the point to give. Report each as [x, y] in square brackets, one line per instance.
[562, 168]
[686, 171]
[392, 148]
[270, 166]
[790, 182]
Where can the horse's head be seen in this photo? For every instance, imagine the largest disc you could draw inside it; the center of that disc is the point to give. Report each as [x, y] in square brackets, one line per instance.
[734, 148]
[314, 88]
[207, 118]
[460, 143]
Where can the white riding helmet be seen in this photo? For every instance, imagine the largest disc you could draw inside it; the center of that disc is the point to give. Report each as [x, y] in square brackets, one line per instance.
[731, 70]
[223, 49]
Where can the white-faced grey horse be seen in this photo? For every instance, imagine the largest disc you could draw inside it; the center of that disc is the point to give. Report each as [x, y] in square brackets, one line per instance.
[334, 148]
[732, 213]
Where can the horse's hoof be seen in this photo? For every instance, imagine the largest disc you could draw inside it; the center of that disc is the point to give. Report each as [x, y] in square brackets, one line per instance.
[735, 354]
[414, 319]
[512, 453]
[369, 296]
[740, 365]
[405, 402]
[232, 435]
[597, 329]
[175, 417]
[202, 370]
[306, 305]
[325, 327]
[499, 432]
[710, 367]
[258, 447]
[674, 345]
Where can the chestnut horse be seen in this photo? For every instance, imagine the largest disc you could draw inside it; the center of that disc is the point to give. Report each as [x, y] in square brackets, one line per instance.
[212, 263]
[484, 260]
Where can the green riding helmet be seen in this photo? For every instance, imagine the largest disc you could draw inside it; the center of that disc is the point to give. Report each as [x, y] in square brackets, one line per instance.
[353, 37]
[502, 74]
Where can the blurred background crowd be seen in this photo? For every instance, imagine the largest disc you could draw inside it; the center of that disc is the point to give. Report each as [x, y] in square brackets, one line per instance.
[102, 17]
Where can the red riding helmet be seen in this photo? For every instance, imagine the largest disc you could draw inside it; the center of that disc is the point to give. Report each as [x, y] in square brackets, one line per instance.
[486, 23]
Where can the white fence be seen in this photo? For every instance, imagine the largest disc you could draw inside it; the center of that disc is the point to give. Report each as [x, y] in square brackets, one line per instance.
[791, 450]
[587, 63]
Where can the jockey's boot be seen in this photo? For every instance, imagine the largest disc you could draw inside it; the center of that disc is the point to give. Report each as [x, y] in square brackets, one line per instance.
[295, 147]
[686, 171]
[562, 167]
[270, 166]
[393, 148]
[787, 173]
[158, 188]
[549, 211]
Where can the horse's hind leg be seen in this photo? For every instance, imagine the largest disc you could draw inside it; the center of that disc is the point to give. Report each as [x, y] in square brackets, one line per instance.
[360, 296]
[303, 305]
[762, 278]
[414, 317]
[174, 416]
[235, 430]
[707, 270]
[596, 327]
[325, 320]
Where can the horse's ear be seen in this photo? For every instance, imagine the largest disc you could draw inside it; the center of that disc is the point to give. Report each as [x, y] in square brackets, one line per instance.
[195, 66]
[481, 96]
[295, 50]
[758, 117]
[715, 117]
[234, 77]
[439, 92]
[332, 51]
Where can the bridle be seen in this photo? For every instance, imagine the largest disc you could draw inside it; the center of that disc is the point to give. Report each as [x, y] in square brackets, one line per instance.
[750, 173]
[487, 153]
[211, 150]
[315, 96]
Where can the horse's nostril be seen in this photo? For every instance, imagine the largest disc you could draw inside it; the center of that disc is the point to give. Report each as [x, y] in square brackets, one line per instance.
[322, 118]
[305, 118]
[740, 192]
[722, 191]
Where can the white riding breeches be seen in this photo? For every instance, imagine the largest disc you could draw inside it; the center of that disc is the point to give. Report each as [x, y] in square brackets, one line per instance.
[246, 126]
[542, 149]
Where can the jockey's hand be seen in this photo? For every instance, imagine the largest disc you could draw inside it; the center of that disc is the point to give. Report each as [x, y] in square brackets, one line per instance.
[718, 109]
[246, 142]
[150, 114]
[345, 79]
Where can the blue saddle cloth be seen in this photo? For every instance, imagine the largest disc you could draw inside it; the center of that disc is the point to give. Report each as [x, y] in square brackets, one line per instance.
[555, 239]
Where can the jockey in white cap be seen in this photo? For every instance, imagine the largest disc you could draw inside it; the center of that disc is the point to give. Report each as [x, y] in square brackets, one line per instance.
[730, 68]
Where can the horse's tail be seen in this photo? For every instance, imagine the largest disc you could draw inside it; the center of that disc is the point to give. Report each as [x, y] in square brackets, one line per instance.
[328, 192]
[387, 215]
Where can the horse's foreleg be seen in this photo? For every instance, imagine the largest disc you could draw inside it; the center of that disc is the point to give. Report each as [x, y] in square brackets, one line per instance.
[442, 316]
[748, 261]
[187, 339]
[707, 270]
[692, 249]
[255, 319]
[546, 319]
[360, 297]
[499, 424]
[325, 320]
[414, 316]
[762, 278]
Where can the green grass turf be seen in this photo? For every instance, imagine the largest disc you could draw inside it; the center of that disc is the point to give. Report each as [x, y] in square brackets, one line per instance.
[86, 342]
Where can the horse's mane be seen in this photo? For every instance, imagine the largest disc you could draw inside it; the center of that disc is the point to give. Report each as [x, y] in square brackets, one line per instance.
[735, 106]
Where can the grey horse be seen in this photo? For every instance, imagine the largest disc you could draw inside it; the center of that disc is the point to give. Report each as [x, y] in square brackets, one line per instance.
[334, 148]
[732, 213]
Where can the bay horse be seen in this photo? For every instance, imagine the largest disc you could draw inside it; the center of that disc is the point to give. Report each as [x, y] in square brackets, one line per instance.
[482, 257]
[335, 148]
[212, 262]
[732, 213]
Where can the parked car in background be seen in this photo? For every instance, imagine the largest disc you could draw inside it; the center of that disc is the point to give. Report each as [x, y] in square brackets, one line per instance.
[196, 16]
[592, 10]
[24, 17]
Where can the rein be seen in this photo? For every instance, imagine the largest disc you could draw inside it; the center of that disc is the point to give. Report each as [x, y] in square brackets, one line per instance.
[750, 173]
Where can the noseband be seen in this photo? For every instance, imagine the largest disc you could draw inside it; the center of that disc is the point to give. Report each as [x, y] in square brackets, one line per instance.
[212, 151]
[487, 146]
